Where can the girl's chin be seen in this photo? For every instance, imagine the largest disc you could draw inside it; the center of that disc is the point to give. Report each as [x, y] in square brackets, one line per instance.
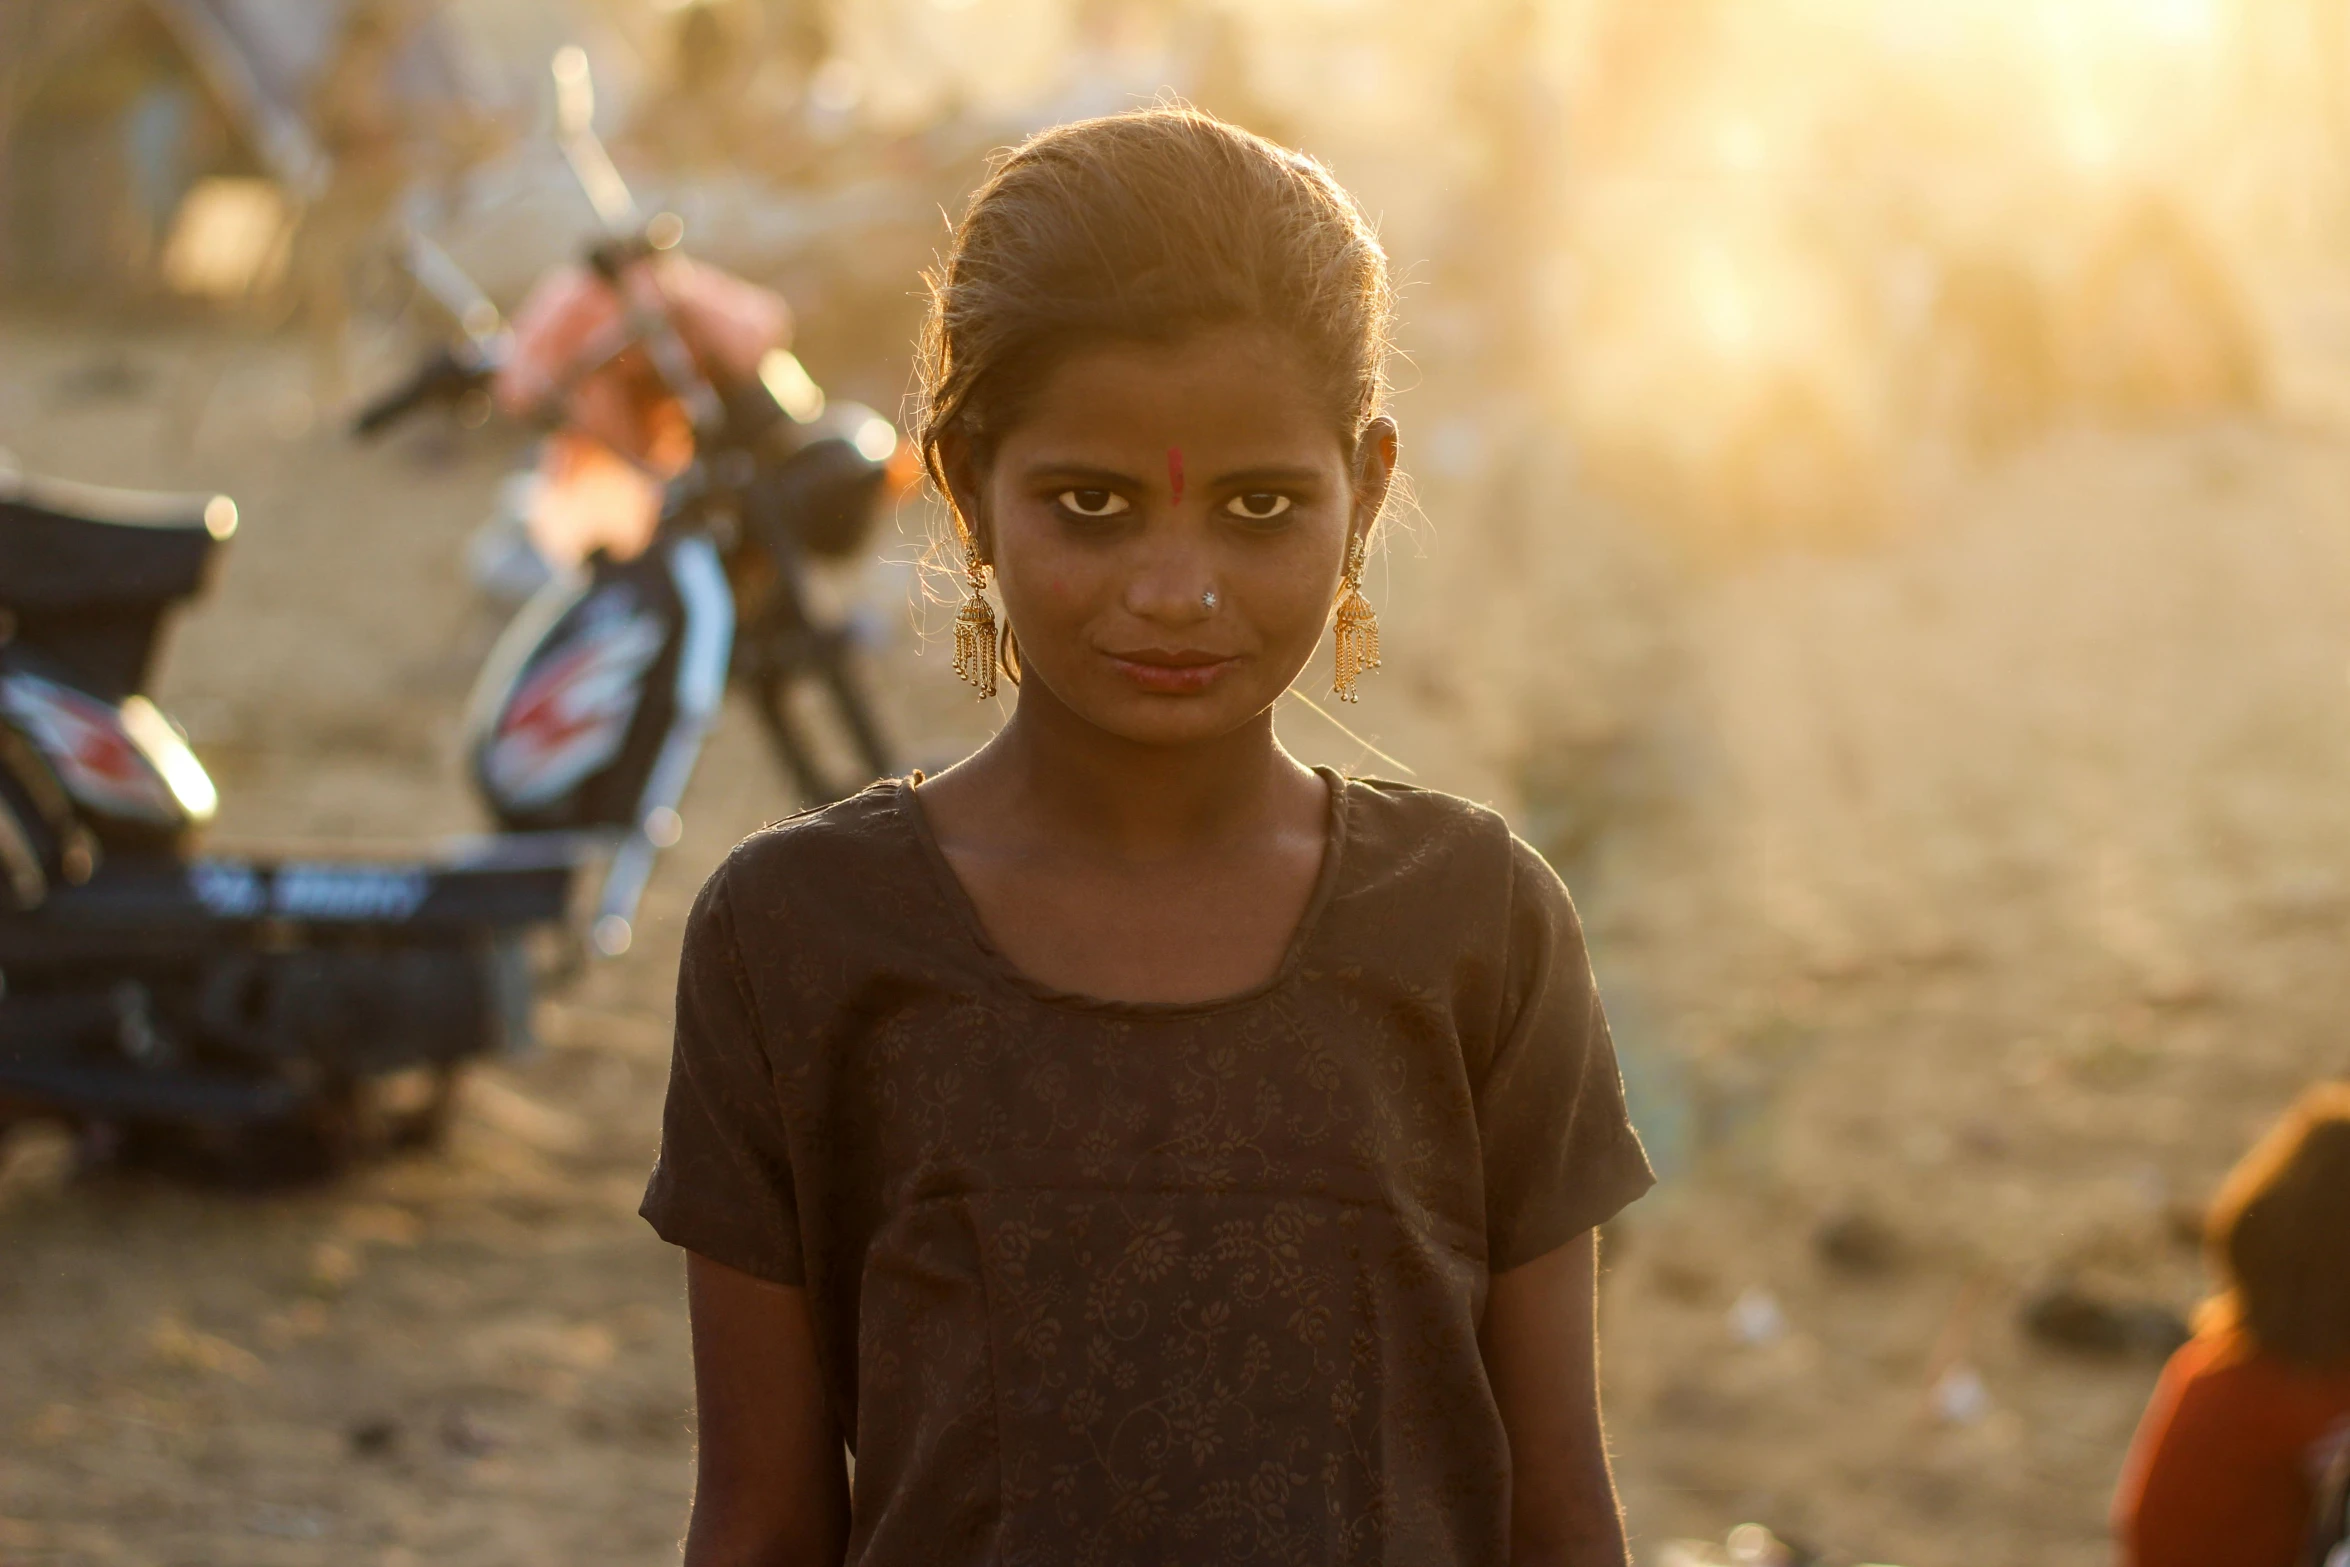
[1159, 719]
[1143, 713]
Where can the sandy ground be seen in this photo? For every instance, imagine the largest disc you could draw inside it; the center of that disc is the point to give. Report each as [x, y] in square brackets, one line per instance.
[1990, 883]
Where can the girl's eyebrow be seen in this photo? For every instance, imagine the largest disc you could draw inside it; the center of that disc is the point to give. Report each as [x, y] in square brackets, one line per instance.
[1079, 473]
[1055, 471]
[1268, 476]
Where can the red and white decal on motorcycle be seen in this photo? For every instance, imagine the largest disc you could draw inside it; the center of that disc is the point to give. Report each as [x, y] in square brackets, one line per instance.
[95, 756]
[570, 711]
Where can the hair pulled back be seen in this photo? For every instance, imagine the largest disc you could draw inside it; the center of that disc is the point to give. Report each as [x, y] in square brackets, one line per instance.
[1147, 226]
[2279, 1234]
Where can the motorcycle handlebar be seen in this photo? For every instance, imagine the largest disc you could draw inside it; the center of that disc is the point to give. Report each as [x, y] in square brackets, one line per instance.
[611, 254]
[443, 378]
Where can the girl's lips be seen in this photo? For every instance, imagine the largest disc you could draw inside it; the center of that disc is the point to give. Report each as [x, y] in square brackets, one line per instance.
[1167, 678]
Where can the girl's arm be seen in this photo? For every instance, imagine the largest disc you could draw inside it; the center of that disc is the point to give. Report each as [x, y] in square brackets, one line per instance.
[1541, 1347]
[770, 1487]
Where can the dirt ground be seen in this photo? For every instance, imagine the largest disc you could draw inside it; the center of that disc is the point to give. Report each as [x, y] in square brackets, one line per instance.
[1988, 885]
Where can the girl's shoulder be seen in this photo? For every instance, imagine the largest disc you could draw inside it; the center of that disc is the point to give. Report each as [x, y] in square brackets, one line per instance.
[1446, 854]
[2226, 1354]
[1409, 859]
[855, 853]
[1406, 811]
[1431, 827]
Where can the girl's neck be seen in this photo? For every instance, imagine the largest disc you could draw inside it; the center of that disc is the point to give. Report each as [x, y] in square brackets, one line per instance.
[1060, 777]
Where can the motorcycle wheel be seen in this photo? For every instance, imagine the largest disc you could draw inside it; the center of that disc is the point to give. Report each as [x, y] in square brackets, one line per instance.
[349, 1122]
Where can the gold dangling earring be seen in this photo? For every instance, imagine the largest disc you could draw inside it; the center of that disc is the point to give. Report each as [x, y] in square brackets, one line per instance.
[1355, 631]
[975, 629]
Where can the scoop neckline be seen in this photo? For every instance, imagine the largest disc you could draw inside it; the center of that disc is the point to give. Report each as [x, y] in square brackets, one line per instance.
[966, 914]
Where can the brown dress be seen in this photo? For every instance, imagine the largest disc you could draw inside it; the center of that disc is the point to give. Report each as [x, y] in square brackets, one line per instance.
[1105, 1283]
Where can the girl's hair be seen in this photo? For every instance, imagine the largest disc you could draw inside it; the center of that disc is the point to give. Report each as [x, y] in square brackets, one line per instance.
[1147, 227]
[2279, 1234]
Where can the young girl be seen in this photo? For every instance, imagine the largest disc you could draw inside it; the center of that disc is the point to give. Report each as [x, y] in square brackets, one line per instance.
[1135, 1145]
[2252, 1411]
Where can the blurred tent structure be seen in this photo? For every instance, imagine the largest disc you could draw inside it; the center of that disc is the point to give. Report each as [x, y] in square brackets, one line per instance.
[172, 143]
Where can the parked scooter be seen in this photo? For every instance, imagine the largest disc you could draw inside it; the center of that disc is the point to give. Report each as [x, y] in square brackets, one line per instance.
[269, 1015]
[278, 1015]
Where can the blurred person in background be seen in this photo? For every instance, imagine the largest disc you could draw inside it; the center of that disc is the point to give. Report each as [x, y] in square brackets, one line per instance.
[733, 92]
[2251, 1413]
[1143, 1146]
[697, 118]
[100, 132]
[618, 432]
[368, 136]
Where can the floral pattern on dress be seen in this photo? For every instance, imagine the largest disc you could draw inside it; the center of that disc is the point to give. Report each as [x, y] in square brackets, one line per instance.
[1110, 1284]
[1142, 1341]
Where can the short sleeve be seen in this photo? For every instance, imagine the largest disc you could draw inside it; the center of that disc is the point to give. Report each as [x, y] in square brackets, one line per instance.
[1560, 1154]
[723, 1184]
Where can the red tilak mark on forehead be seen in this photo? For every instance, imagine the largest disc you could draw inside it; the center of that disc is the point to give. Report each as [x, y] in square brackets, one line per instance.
[1175, 472]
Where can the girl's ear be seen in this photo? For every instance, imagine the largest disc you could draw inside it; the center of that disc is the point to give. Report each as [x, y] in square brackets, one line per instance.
[958, 463]
[1374, 475]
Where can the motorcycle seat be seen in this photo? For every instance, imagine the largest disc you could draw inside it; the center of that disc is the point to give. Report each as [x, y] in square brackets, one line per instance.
[77, 547]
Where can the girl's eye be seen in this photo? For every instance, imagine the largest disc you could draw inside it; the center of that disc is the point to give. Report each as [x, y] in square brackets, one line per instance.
[1093, 503]
[1257, 505]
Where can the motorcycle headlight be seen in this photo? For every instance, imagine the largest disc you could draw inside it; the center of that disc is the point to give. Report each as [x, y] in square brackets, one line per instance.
[160, 741]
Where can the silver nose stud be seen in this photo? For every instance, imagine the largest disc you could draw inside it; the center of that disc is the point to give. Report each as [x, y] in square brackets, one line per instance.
[1208, 600]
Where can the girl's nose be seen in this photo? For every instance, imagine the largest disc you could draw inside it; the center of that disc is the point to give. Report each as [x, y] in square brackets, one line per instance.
[1179, 592]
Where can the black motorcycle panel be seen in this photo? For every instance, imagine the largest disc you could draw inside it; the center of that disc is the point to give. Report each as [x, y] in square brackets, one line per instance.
[88, 574]
[571, 718]
[77, 547]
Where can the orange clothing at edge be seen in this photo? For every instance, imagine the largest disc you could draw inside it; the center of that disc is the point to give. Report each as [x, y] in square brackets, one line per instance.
[2223, 1470]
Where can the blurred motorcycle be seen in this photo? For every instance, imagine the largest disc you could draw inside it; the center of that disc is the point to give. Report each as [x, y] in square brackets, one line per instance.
[272, 1014]
[678, 423]
[262, 1014]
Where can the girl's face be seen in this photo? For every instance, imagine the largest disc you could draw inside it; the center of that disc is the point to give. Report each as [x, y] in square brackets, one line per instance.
[1168, 525]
